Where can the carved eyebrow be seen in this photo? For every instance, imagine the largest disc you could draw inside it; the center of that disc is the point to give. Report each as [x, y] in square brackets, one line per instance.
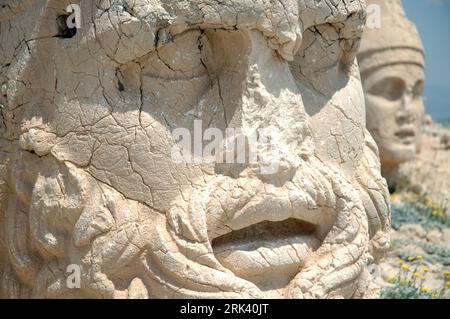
[277, 20]
[283, 30]
[346, 12]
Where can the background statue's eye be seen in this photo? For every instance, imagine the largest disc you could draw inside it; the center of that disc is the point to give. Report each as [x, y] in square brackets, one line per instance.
[391, 89]
[183, 58]
[418, 89]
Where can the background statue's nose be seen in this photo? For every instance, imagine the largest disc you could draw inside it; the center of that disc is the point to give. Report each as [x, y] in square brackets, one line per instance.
[405, 116]
[407, 99]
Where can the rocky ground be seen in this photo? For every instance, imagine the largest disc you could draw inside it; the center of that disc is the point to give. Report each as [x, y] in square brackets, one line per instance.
[418, 265]
[420, 258]
[429, 173]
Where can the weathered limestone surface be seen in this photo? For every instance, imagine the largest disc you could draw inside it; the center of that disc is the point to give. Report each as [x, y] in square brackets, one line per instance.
[87, 175]
[429, 172]
[415, 154]
[392, 68]
[391, 61]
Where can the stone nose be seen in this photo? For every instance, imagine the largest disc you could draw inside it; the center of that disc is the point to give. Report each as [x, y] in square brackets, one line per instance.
[405, 114]
[273, 106]
[407, 99]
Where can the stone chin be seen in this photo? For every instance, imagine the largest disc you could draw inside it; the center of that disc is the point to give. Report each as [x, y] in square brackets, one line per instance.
[396, 153]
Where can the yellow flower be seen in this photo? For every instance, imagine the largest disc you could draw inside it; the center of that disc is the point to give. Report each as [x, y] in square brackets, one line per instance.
[416, 274]
[401, 261]
[447, 273]
[435, 295]
[424, 269]
[424, 290]
[419, 257]
[410, 258]
[405, 267]
[447, 284]
[392, 280]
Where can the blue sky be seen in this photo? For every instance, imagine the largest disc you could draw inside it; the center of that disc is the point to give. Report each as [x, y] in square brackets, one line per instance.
[432, 18]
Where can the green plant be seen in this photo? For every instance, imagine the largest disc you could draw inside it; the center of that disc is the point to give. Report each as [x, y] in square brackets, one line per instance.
[403, 291]
[409, 282]
[433, 253]
[419, 209]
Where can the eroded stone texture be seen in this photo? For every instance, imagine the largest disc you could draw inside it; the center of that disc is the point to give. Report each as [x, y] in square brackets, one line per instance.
[391, 61]
[429, 172]
[87, 172]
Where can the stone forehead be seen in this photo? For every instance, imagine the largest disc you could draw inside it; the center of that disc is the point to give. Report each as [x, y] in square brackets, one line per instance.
[282, 21]
[396, 41]
[269, 15]
[396, 29]
[236, 12]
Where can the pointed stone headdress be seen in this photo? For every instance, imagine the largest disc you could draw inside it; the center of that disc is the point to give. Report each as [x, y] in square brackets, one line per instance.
[396, 41]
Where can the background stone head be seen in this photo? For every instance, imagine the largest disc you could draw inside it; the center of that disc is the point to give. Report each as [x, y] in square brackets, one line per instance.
[87, 149]
[391, 61]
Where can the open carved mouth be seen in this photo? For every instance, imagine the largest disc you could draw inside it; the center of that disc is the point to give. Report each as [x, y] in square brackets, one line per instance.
[269, 254]
[268, 241]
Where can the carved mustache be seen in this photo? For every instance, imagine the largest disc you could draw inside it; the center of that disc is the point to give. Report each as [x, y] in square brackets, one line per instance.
[188, 267]
[179, 261]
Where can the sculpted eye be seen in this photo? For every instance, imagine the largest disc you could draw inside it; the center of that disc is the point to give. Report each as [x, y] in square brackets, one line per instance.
[183, 58]
[391, 89]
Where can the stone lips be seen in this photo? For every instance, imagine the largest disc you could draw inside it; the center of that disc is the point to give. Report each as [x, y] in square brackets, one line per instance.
[310, 274]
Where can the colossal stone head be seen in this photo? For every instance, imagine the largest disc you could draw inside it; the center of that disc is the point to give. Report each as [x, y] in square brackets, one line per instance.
[88, 174]
[391, 61]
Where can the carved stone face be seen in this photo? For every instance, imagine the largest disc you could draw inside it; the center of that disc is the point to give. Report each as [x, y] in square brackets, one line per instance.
[88, 150]
[391, 61]
[395, 110]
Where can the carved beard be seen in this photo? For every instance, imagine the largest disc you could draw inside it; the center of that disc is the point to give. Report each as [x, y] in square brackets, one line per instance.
[128, 250]
[193, 271]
